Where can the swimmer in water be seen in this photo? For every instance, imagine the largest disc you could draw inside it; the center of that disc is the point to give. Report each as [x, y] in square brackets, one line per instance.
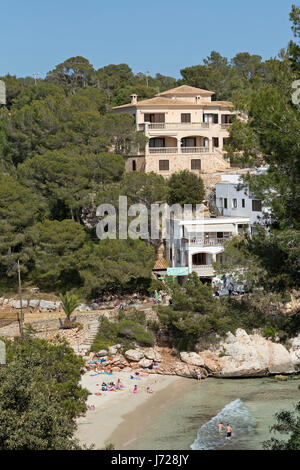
[221, 427]
[228, 431]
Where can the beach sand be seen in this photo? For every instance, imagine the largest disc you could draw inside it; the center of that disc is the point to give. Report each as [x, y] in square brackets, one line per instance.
[122, 417]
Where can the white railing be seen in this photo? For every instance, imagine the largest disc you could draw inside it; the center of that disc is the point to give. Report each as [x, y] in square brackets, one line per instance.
[225, 125]
[203, 269]
[175, 125]
[181, 150]
[211, 242]
[196, 150]
[163, 150]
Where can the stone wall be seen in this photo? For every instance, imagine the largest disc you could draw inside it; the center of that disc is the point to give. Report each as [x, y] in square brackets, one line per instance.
[49, 324]
[178, 162]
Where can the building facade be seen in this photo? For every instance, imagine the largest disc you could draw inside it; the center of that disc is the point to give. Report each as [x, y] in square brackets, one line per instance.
[185, 128]
[198, 243]
[233, 199]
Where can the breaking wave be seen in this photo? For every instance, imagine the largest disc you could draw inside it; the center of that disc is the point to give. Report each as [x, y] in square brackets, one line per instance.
[235, 413]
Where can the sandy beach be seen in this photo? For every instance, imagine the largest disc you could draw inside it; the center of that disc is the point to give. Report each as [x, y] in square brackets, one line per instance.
[121, 417]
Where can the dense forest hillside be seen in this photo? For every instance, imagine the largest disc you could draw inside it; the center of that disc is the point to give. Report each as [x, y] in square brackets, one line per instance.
[62, 153]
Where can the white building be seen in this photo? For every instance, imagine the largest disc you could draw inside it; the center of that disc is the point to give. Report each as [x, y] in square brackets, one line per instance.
[233, 199]
[197, 243]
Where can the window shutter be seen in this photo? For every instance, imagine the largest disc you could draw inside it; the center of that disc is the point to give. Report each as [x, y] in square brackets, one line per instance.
[196, 164]
[164, 165]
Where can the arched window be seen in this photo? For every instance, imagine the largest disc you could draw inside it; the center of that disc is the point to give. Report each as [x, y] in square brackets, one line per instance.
[206, 142]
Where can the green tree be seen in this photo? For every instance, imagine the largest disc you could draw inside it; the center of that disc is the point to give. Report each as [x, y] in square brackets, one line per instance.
[69, 302]
[117, 265]
[287, 424]
[18, 213]
[144, 188]
[185, 188]
[73, 73]
[40, 396]
[293, 48]
[271, 136]
[195, 313]
[59, 253]
[67, 180]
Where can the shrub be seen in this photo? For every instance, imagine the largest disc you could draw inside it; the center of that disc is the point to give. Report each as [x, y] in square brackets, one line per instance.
[130, 328]
[269, 332]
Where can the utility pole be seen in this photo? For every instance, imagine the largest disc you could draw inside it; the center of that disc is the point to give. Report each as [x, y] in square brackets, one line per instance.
[147, 80]
[21, 314]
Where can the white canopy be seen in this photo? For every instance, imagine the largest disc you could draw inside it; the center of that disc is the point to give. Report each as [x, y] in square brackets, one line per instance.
[206, 249]
[210, 228]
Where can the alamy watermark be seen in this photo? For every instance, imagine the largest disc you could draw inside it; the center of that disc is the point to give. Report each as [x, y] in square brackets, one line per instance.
[139, 221]
[296, 93]
[2, 353]
[2, 92]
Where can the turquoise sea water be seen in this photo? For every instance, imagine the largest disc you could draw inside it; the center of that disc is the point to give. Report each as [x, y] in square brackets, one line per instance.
[248, 405]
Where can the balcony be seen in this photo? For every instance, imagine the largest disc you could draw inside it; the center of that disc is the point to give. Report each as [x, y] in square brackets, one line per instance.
[174, 125]
[193, 242]
[196, 150]
[225, 125]
[203, 270]
[162, 150]
[182, 150]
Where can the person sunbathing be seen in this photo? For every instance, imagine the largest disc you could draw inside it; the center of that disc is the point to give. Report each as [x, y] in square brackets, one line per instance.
[119, 384]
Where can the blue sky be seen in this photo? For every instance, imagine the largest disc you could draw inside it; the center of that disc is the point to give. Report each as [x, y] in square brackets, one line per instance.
[149, 35]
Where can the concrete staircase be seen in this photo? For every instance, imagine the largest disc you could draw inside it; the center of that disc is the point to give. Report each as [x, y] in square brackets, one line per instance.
[91, 331]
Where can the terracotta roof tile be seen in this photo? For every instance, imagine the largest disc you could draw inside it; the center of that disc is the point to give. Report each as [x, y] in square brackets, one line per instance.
[168, 102]
[161, 264]
[186, 90]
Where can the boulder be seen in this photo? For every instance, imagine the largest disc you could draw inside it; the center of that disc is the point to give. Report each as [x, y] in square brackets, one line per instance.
[150, 353]
[95, 306]
[82, 308]
[47, 305]
[145, 362]
[33, 303]
[134, 355]
[112, 350]
[101, 353]
[17, 304]
[192, 358]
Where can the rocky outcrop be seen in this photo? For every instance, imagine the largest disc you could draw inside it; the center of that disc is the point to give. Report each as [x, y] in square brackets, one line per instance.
[243, 355]
[238, 355]
[295, 352]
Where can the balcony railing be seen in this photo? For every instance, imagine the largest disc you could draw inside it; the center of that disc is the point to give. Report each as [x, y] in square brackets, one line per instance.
[203, 269]
[225, 125]
[163, 150]
[175, 125]
[196, 150]
[181, 150]
[210, 242]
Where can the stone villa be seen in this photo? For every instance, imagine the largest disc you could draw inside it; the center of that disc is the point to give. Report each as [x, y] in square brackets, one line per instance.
[185, 128]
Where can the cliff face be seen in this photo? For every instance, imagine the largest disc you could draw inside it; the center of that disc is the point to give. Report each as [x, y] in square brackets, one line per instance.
[243, 355]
